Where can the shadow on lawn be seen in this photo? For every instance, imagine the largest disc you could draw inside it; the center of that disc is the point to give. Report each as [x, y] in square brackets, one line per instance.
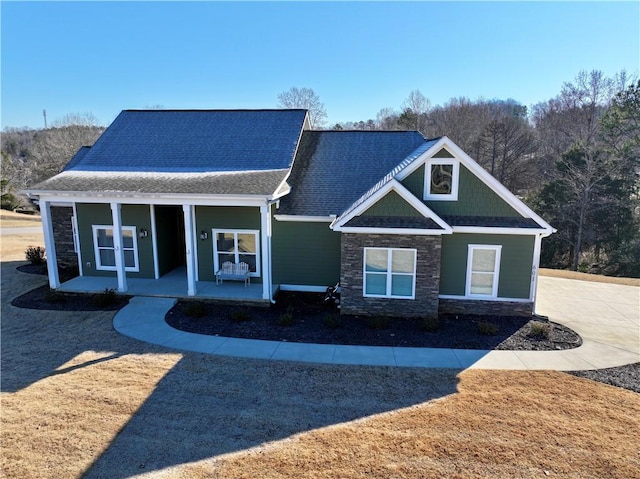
[205, 405]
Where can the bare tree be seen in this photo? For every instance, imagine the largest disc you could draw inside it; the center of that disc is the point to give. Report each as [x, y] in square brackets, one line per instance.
[386, 119]
[415, 110]
[54, 147]
[304, 98]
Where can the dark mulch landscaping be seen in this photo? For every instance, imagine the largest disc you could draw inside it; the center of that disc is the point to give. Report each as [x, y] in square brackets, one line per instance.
[44, 298]
[627, 377]
[302, 317]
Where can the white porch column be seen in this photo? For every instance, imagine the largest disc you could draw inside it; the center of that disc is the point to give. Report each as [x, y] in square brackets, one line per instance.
[190, 249]
[265, 245]
[154, 242]
[535, 267]
[49, 245]
[118, 250]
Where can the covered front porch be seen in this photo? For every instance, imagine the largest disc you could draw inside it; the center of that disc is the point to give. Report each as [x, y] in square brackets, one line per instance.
[173, 284]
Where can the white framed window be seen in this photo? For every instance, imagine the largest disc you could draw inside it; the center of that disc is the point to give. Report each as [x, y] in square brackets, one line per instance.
[103, 247]
[237, 246]
[483, 270]
[389, 273]
[441, 179]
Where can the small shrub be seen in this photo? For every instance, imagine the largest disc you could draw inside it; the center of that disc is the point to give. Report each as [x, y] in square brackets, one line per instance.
[378, 322]
[539, 330]
[240, 315]
[9, 201]
[195, 309]
[333, 321]
[34, 254]
[54, 296]
[286, 318]
[430, 324]
[105, 298]
[487, 328]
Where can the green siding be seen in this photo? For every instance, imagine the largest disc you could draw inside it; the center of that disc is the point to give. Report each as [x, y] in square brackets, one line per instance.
[305, 254]
[474, 197]
[392, 204]
[218, 217]
[515, 263]
[89, 214]
[443, 153]
[415, 182]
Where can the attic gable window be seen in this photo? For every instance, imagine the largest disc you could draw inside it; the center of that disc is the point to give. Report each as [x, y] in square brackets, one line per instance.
[441, 179]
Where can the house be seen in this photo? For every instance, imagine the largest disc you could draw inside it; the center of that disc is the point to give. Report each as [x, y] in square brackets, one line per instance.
[408, 226]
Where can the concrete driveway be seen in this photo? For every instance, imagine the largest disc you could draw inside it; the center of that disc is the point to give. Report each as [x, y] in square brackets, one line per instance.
[606, 316]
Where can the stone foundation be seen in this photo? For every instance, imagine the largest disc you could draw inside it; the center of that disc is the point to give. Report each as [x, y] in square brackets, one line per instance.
[63, 234]
[427, 275]
[497, 308]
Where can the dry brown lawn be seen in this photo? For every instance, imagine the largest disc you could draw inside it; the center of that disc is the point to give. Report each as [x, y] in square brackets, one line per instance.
[78, 399]
[561, 273]
[12, 247]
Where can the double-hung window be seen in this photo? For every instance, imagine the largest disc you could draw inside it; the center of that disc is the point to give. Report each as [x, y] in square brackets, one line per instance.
[104, 249]
[389, 273]
[237, 246]
[441, 179]
[483, 268]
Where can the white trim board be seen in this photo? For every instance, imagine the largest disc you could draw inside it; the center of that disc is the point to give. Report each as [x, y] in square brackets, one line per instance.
[303, 288]
[477, 298]
[305, 218]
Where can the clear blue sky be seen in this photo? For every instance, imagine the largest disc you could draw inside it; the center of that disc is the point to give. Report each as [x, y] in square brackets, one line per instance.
[358, 57]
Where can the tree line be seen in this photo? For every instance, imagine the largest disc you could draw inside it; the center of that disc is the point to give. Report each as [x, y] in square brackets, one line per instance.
[575, 158]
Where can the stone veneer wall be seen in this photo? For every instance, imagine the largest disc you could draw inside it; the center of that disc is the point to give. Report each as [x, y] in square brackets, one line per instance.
[63, 234]
[497, 308]
[427, 275]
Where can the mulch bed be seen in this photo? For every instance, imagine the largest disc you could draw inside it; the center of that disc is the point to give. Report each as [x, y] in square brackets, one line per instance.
[302, 317]
[44, 298]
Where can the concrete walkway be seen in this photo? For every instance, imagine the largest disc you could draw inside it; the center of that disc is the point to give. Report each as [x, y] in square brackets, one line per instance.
[607, 317]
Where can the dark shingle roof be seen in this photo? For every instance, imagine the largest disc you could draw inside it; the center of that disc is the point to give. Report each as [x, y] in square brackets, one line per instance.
[412, 222]
[263, 183]
[188, 141]
[333, 169]
[491, 221]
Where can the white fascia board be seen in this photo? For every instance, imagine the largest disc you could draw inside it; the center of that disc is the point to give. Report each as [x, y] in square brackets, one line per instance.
[152, 198]
[420, 160]
[479, 298]
[305, 219]
[499, 231]
[390, 231]
[406, 195]
[497, 187]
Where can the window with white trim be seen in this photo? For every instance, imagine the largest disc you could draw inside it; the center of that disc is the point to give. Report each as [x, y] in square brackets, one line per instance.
[104, 250]
[389, 273]
[483, 268]
[441, 179]
[237, 246]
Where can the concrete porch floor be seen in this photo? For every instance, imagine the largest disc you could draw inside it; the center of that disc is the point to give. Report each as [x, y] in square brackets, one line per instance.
[172, 284]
